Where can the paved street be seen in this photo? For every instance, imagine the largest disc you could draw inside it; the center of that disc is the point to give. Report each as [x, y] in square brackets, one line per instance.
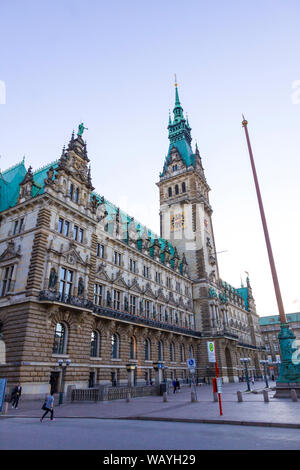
[150, 423]
[91, 434]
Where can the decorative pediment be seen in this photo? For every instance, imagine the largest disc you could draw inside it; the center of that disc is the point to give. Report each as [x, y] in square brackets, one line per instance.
[161, 296]
[135, 286]
[101, 273]
[10, 252]
[72, 256]
[148, 291]
[119, 280]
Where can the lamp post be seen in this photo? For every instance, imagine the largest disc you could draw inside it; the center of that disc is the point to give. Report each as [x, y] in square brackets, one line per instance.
[264, 362]
[63, 371]
[245, 361]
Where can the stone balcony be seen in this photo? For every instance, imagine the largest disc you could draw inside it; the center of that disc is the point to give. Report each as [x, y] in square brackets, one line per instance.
[108, 312]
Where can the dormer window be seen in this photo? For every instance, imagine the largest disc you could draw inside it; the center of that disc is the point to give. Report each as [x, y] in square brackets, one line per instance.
[175, 167]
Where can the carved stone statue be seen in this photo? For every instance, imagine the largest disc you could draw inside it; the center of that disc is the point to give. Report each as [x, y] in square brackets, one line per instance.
[80, 287]
[52, 279]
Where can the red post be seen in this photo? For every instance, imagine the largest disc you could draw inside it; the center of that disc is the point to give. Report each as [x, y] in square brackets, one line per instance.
[217, 375]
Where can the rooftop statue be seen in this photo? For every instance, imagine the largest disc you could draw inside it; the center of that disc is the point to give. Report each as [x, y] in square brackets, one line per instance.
[81, 129]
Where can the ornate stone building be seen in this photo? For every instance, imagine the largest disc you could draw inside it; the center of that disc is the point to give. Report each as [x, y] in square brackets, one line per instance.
[83, 282]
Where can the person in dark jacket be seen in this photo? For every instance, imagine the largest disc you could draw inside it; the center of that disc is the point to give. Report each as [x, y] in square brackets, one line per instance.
[15, 396]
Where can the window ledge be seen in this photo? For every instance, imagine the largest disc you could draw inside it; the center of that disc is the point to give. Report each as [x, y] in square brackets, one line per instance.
[92, 358]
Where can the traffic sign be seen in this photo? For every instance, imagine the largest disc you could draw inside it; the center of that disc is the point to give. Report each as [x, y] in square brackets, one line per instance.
[191, 363]
[211, 351]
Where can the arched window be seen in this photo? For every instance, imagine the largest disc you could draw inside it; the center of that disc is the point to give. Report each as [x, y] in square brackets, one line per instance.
[95, 344]
[147, 346]
[76, 198]
[183, 187]
[160, 351]
[60, 339]
[132, 348]
[115, 346]
[176, 189]
[172, 352]
[182, 353]
[170, 192]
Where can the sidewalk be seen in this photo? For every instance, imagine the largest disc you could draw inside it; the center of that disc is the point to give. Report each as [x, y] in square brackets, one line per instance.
[252, 411]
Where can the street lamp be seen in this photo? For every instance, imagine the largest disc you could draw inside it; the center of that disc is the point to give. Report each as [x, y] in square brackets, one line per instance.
[265, 362]
[63, 371]
[245, 361]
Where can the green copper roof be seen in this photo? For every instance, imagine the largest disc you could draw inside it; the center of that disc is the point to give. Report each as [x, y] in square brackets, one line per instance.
[179, 136]
[275, 319]
[9, 185]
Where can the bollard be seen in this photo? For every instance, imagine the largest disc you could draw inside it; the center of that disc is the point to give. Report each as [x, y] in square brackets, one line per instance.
[215, 396]
[5, 407]
[193, 397]
[128, 398]
[239, 396]
[294, 395]
[165, 397]
[266, 396]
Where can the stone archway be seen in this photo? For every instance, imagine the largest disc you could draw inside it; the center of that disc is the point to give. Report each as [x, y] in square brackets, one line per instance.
[229, 364]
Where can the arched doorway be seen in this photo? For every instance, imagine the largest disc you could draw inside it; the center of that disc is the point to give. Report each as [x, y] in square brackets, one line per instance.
[229, 365]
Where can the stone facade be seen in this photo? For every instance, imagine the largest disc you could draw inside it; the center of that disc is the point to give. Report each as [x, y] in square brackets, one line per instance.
[84, 283]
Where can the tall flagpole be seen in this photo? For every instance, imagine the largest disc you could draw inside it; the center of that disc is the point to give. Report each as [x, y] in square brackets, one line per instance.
[289, 376]
[266, 232]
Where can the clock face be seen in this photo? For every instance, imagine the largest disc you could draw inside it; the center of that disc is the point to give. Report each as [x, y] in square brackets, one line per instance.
[177, 221]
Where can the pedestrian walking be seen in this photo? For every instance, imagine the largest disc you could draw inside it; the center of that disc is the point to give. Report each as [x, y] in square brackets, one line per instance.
[15, 396]
[174, 386]
[252, 380]
[48, 406]
[177, 385]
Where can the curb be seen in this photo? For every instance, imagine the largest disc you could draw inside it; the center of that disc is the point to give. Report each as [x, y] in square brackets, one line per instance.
[178, 420]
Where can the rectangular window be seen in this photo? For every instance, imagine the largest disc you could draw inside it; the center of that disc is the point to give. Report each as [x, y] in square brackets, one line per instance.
[178, 287]
[117, 297]
[75, 232]
[147, 308]
[81, 235]
[66, 229]
[15, 227]
[132, 265]
[100, 250]
[98, 294]
[21, 225]
[60, 225]
[146, 271]
[168, 282]
[66, 280]
[6, 282]
[132, 304]
[117, 258]
[157, 277]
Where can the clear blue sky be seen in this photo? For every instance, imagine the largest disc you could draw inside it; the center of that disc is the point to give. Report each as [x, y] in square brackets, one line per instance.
[111, 65]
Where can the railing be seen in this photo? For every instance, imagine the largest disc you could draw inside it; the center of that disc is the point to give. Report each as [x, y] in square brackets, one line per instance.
[112, 393]
[117, 314]
[55, 296]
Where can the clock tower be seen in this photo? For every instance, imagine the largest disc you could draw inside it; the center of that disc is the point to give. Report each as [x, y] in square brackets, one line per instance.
[185, 211]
